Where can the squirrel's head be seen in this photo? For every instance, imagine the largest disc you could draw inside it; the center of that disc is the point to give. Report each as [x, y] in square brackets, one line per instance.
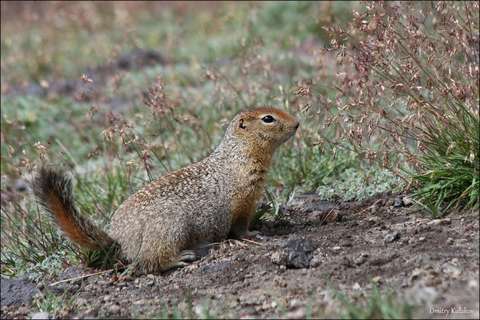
[265, 128]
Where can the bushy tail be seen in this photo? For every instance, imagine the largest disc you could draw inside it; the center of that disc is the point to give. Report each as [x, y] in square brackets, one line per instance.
[54, 192]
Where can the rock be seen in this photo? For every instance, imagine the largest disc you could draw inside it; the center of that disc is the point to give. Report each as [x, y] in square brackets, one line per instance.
[150, 283]
[421, 239]
[294, 303]
[437, 222]
[360, 259]
[373, 219]
[337, 248]
[17, 291]
[296, 253]
[397, 203]
[279, 257]
[407, 201]
[452, 270]
[377, 279]
[21, 185]
[374, 208]
[114, 308]
[40, 315]
[318, 258]
[391, 237]
[450, 241]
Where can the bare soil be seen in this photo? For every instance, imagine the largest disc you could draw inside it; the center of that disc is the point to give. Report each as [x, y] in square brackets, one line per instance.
[294, 267]
[88, 87]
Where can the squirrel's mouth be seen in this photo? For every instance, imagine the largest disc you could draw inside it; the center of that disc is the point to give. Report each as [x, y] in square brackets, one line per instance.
[290, 134]
[295, 128]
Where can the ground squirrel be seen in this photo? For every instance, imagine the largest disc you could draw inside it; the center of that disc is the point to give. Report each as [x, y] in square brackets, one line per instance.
[160, 226]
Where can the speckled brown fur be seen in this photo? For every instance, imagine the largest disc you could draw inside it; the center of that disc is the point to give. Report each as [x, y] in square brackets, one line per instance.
[203, 202]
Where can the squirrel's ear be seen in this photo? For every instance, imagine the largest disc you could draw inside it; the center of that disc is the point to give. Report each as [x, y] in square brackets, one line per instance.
[241, 124]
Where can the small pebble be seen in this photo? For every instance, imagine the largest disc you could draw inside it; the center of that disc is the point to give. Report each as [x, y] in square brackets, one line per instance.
[278, 257]
[397, 203]
[294, 303]
[360, 259]
[150, 283]
[21, 185]
[391, 237]
[377, 279]
[407, 201]
[437, 222]
[114, 308]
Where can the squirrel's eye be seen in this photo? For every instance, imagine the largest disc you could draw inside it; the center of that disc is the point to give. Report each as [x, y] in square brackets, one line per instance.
[268, 119]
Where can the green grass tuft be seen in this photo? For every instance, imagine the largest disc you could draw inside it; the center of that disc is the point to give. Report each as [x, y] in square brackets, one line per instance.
[450, 163]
